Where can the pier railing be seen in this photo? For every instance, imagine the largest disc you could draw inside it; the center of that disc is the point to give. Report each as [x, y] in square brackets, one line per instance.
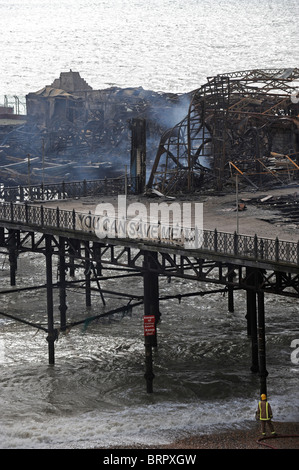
[65, 190]
[232, 244]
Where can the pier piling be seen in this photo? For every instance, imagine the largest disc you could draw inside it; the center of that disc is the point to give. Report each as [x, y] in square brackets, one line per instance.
[50, 309]
[12, 256]
[271, 268]
[251, 317]
[87, 276]
[262, 343]
[62, 284]
[230, 289]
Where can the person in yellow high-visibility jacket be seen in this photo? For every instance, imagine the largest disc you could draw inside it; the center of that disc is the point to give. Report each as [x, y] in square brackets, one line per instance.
[264, 414]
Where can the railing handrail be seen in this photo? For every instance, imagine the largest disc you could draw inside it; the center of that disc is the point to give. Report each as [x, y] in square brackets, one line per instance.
[233, 244]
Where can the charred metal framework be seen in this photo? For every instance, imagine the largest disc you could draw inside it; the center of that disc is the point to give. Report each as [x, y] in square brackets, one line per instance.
[228, 261]
[242, 123]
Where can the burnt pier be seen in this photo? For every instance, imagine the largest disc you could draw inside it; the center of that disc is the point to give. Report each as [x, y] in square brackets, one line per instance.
[227, 261]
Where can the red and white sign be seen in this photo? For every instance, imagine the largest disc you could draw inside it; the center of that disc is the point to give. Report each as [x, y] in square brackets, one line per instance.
[149, 325]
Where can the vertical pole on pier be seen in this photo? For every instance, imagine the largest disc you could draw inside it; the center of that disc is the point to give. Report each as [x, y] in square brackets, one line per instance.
[50, 310]
[151, 316]
[87, 276]
[262, 342]
[62, 284]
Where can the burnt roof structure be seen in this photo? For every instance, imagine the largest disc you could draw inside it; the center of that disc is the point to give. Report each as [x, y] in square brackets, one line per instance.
[242, 123]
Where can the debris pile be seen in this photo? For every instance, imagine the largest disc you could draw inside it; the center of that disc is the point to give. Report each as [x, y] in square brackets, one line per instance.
[285, 208]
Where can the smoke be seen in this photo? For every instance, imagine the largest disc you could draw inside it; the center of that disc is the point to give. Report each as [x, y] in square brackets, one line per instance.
[173, 113]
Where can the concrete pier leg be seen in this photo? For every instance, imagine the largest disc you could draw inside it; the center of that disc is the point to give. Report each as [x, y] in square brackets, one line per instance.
[50, 311]
[151, 311]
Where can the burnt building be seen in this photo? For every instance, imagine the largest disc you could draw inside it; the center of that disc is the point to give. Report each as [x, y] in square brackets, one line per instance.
[243, 123]
[49, 104]
[72, 131]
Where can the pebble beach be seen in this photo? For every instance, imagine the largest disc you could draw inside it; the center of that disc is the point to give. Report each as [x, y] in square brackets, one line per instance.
[243, 439]
[287, 438]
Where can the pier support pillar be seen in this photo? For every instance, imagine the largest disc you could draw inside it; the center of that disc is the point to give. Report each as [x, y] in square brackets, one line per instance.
[87, 276]
[251, 317]
[74, 246]
[230, 289]
[151, 316]
[262, 342]
[62, 284]
[12, 256]
[254, 339]
[97, 255]
[50, 310]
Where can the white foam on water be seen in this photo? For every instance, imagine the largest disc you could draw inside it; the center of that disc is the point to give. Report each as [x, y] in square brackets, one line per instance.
[153, 424]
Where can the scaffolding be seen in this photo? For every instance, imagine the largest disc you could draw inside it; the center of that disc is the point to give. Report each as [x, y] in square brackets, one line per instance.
[248, 118]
